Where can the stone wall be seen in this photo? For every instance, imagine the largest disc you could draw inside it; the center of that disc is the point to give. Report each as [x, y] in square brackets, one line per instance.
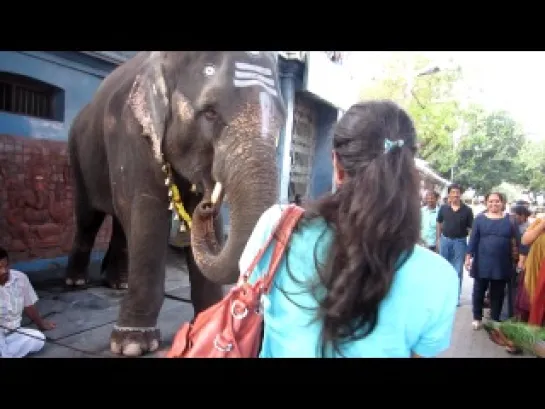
[36, 200]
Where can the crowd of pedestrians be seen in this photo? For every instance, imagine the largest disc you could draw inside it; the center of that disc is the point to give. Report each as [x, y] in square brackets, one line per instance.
[502, 251]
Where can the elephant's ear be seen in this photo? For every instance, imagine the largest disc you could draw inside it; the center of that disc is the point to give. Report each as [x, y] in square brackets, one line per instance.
[149, 101]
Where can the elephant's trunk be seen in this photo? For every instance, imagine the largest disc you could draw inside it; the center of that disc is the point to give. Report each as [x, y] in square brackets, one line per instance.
[251, 185]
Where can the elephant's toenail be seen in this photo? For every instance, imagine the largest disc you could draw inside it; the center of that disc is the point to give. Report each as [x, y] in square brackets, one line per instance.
[115, 347]
[69, 281]
[132, 349]
[154, 345]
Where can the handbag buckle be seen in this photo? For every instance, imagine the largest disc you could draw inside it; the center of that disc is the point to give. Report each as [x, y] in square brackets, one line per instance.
[226, 348]
[239, 313]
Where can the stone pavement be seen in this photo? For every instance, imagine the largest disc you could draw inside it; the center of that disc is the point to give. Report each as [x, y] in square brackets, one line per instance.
[467, 343]
[85, 318]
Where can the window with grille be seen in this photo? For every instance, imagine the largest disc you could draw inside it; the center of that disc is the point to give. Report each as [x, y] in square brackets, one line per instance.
[302, 148]
[27, 96]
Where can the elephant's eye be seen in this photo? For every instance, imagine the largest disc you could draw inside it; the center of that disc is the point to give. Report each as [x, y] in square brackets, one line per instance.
[210, 114]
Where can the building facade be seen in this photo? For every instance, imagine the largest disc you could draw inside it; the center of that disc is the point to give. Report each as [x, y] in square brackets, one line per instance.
[42, 92]
[317, 89]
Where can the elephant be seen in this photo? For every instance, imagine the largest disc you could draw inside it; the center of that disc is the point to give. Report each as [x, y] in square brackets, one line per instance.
[204, 122]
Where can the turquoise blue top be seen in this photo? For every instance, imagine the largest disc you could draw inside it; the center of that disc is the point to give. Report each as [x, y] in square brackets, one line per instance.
[416, 316]
[428, 231]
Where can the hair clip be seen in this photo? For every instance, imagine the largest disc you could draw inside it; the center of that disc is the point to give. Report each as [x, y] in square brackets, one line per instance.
[389, 145]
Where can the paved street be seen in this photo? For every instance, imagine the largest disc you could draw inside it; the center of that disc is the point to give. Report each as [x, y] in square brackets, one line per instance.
[85, 318]
[467, 343]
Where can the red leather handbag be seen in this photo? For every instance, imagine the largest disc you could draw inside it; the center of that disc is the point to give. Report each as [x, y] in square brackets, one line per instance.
[232, 328]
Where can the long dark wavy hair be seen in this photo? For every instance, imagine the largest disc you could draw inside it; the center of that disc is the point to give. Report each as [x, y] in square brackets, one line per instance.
[374, 216]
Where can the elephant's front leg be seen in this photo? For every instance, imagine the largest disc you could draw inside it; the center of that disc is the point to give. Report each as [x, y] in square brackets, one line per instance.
[136, 332]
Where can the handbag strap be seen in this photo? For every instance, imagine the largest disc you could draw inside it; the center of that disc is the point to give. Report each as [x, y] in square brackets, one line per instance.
[282, 232]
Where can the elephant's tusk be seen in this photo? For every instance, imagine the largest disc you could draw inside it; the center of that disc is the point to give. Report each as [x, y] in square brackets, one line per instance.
[216, 193]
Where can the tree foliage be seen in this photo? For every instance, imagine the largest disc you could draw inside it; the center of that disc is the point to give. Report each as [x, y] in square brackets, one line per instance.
[430, 101]
[484, 149]
[487, 154]
[531, 165]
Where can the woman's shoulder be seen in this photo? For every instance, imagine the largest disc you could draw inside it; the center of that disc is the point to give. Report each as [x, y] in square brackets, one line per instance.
[304, 235]
[303, 238]
[270, 218]
[428, 268]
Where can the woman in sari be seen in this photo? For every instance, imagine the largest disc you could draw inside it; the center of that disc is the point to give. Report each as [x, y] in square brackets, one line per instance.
[531, 292]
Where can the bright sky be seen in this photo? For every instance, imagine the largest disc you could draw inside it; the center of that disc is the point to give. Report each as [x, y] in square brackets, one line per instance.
[508, 80]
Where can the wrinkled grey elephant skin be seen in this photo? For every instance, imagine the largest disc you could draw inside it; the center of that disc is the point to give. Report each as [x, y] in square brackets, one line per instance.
[214, 118]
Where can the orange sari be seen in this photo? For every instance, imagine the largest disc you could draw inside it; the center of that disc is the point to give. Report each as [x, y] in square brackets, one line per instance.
[534, 278]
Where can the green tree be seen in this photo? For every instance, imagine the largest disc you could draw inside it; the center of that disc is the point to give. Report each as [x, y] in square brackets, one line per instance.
[487, 154]
[531, 165]
[430, 101]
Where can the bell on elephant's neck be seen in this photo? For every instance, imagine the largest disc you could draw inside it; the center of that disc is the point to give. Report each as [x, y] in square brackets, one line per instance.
[183, 229]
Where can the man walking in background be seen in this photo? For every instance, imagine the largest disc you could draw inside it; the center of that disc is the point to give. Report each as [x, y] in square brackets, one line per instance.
[429, 220]
[454, 221]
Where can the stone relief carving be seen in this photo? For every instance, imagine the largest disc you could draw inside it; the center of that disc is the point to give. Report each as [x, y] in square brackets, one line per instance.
[36, 201]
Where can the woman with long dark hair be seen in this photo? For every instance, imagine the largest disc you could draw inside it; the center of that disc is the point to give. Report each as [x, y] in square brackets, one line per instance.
[354, 282]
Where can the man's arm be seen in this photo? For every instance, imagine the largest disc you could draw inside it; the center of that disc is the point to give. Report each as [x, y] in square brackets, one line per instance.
[32, 312]
[439, 226]
[470, 220]
[29, 301]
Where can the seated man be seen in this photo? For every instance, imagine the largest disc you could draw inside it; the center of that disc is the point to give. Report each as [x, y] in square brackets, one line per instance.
[18, 296]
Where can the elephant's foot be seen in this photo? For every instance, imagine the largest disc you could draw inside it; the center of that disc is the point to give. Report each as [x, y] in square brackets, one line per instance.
[117, 281]
[76, 280]
[134, 341]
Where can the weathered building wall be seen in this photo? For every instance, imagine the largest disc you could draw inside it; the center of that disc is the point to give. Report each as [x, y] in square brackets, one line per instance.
[36, 199]
[305, 143]
[36, 213]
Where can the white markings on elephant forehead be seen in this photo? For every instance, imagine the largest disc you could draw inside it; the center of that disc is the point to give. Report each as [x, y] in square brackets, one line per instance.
[254, 68]
[246, 75]
[209, 70]
[250, 75]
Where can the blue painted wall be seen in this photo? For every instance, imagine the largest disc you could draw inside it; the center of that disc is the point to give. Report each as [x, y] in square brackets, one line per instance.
[291, 75]
[77, 75]
[322, 167]
[291, 81]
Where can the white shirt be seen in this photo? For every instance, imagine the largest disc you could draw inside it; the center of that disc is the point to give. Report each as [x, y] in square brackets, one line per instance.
[15, 295]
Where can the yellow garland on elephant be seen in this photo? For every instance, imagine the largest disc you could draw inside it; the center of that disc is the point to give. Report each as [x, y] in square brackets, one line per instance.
[175, 197]
[179, 206]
